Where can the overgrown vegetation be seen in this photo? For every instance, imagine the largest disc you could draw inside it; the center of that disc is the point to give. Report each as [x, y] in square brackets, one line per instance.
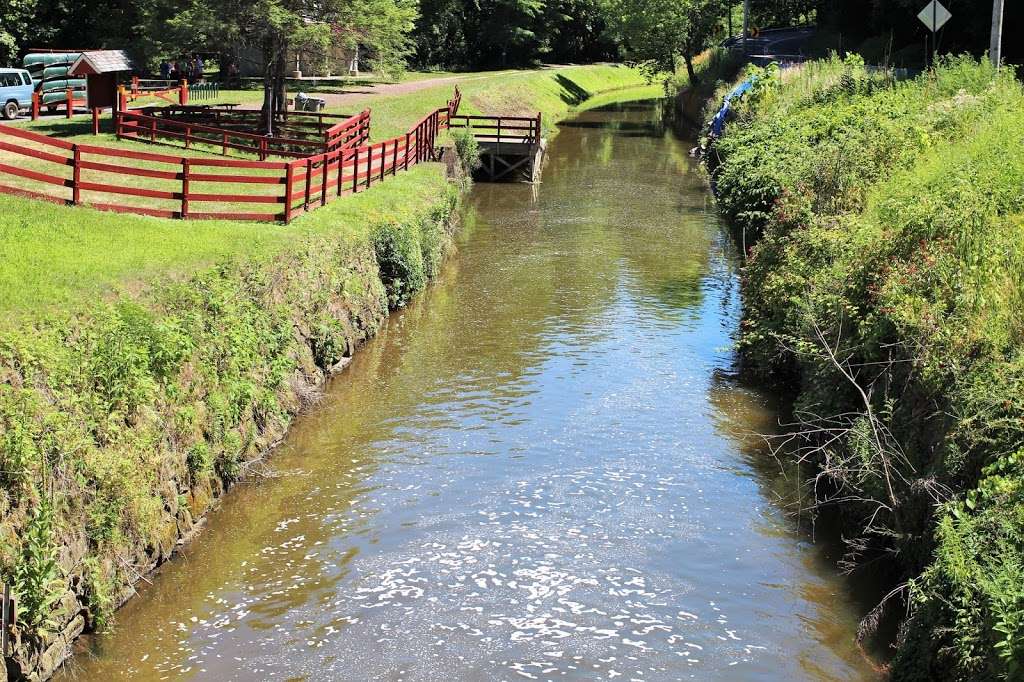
[883, 282]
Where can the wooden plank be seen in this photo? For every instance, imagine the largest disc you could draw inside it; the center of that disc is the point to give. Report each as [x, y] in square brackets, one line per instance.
[36, 154]
[127, 154]
[129, 191]
[240, 163]
[34, 175]
[239, 179]
[236, 198]
[129, 170]
[30, 194]
[13, 131]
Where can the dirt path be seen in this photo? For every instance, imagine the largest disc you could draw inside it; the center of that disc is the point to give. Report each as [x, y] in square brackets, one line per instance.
[357, 94]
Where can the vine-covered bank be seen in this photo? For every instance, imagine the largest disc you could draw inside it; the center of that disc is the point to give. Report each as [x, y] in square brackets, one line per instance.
[883, 282]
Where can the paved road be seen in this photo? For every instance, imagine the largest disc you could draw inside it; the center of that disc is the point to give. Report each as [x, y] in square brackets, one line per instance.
[776, 44]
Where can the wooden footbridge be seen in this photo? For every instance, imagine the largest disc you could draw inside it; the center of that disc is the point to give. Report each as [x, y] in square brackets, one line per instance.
[510, 146]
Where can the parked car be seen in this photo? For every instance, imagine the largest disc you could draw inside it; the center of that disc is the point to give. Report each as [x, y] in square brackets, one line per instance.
[15, 92]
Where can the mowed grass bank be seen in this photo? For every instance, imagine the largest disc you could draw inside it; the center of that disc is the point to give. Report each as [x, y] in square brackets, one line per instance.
[147, 364]
[54, 257]
[885, 283]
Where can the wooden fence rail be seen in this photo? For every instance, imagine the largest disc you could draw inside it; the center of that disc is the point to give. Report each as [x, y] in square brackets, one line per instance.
[168, 186]
[226, 129]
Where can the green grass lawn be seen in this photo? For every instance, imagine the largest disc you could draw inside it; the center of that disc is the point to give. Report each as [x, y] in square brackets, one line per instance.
[52, 256]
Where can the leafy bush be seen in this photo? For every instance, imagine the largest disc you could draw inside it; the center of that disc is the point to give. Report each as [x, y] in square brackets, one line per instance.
[36, 574]
[884, 280]
[466, 148]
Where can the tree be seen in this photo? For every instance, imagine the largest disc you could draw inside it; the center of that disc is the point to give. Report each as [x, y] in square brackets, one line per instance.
[277, 27]
[656, 33]
[15, 23]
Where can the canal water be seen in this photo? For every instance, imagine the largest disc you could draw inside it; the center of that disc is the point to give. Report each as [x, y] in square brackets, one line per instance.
[544, 468]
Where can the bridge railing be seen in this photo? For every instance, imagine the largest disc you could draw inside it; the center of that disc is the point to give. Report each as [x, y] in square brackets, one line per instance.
[501, 129]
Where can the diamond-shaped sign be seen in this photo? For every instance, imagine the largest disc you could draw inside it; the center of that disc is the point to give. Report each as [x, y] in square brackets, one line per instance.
[934, 16]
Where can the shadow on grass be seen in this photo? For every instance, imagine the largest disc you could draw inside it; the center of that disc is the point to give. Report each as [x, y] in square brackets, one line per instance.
[572, 94]
[61, 127]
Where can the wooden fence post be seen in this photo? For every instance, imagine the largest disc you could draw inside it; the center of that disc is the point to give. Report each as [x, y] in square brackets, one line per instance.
[383, 158]
[341, 169]
[394, 158]
[184, 187]
[309, 180]
[326, 166]
[35, 105]
[76, 175]
[183, 93]
[289, 175]
[69, 93]
[406, 162]
[355, 172]
[369, 165]
[95, 121]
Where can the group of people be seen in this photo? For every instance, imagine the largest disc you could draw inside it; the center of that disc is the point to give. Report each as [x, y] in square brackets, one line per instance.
[186, 68]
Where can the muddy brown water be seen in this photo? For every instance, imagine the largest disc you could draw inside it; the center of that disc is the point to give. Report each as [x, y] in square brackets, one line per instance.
[544, 468]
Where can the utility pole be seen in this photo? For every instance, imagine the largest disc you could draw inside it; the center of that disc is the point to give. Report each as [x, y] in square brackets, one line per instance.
[995, 50]
[746, 25]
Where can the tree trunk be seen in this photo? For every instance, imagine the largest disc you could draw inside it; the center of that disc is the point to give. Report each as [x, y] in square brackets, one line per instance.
[268, 87]
[280, 69]
[690, 73]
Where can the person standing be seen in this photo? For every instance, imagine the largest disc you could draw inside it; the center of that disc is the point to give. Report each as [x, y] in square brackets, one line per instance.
[198, 74]
[165, 70]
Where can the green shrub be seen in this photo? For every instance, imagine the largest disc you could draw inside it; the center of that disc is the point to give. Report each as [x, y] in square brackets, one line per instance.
[466, 148]
[36, 575]
[884, 280]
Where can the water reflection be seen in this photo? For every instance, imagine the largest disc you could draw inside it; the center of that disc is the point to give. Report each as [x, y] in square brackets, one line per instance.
[540, 469]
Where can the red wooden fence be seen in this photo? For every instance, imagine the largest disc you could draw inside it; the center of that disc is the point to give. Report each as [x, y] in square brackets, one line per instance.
[306, 133]
[170, 186]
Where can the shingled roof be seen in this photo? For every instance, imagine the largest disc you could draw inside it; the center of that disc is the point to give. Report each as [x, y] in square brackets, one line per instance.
[101, 61]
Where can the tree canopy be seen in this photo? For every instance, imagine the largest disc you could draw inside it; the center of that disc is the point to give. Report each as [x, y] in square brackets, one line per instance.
[655, 34]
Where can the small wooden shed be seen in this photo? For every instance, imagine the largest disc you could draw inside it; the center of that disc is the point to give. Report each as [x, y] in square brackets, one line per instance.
[101, 69]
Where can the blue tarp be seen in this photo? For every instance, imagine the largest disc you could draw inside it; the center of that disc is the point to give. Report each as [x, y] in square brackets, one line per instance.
[718, 122]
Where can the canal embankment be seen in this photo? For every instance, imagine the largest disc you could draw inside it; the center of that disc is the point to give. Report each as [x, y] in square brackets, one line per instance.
[882, 286]
[149, 364]
[544, 467]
